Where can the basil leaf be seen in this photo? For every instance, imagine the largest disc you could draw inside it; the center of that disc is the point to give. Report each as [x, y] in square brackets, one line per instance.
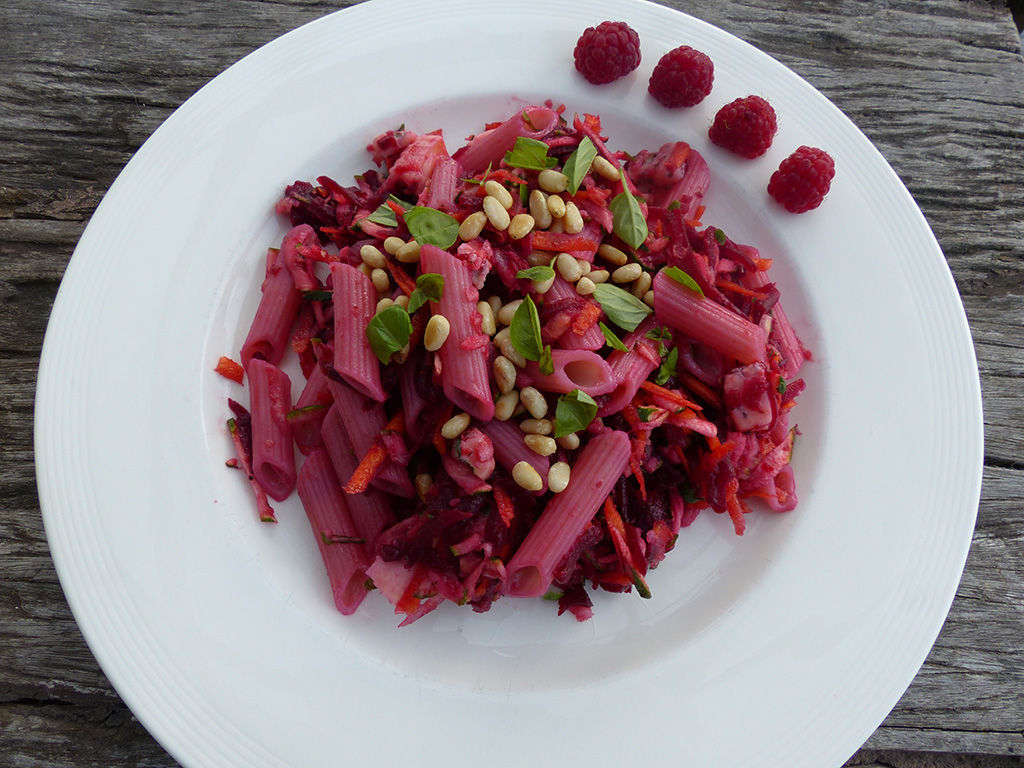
[719, 237]
[578, 163]
[525, 330]
[668, 367]
[529, 154]
[429, 226]
[659, 333]
[574, 411]
[385, 216]
[781, 387]
[539, 274]
[628, 220]
[623, 308]
[611, 339]
[683, 279]
[388, 332]
[546, 364]
[429, 286]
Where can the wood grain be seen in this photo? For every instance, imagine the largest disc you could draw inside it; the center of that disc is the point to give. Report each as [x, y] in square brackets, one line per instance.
[937, 85]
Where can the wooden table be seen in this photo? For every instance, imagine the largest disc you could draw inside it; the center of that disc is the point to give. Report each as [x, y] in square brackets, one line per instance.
[938, 85]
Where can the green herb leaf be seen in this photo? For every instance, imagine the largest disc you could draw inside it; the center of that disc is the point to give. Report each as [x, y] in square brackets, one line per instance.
[525, 330]
[429, 287]
[644, 413]
[318, 295]
[673, 205]
[623, 308]
[298, 413]
[577, 165]
[659, 333]
[429, 226]
[574, 411]
[781, 388]
[719, 237]
[546, 364]
[385, 216]
[683, 279]
[388, 332]
[529, 154]
[538, 274]
[628, 220]
[611, 339]
[668, 367]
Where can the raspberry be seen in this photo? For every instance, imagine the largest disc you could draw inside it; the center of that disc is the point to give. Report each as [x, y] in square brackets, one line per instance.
[745, 126]
[607, 52]
[682, 78]
[803, 179]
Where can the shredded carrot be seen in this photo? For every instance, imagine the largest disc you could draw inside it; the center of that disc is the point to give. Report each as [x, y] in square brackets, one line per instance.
[729, 285]
[763, 264]
[504, 504]
[671, 395]
[229, 369]
[617, 532]
[734, 506]
[375, 458]
[562, 241]
[410, 601]
[401, 277]
[700, 389]
[586, 318]
[437, 440]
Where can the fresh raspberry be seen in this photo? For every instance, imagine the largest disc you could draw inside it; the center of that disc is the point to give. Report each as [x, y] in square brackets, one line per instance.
[745, 126]
[607, 52]
[682, 78]
[803, 179]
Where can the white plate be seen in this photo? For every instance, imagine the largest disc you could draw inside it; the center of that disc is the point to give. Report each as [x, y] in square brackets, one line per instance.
[785, 647]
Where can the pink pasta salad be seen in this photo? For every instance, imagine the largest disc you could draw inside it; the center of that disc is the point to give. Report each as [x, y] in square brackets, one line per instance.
[526, 367]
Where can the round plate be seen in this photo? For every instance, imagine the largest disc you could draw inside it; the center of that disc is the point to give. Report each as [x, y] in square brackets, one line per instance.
[219, 632]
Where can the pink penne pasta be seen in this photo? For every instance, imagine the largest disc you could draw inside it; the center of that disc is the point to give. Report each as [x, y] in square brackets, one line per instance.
[707, 321]
[465, 355]
[362, 419]
[595, 472]
[308, 413]
[371, 511]
[573, 369]
[629, 370]
[509, 448]
[355, 302]
[279, 303]
[489, 147]
[592, 338]
[337, 538]
[273, 452]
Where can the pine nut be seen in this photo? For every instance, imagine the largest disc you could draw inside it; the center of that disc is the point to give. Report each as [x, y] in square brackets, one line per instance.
[556, 206]
[557, 226]
[495, 303]
[488, 324]
[539, 209]
[392, 244]
[605, 168]
[496, 213]
[504, 374]
[520, 226]
[402, 300]
[573, 219]
[599, 275]
[543, 286]
[436, 332]
[585, 266]
[537, 426]
[534, 402]
[384, 304]
[558, 476]
[456, 425]
[508, 349]
[365, 268]
[380, 280]
[527, 477]
[401, 355]
[538, 258]
[370, 254]
[472, 226]
[642, 285]
[585, 286]
[507, 312]
[649, 298]
[506, 405]
[499, 192]
[570, 442]
[540, 444]
[568, 267]
[552, 181]
[627, 273]
[423, 483]
[408, 253]
[612, 255]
